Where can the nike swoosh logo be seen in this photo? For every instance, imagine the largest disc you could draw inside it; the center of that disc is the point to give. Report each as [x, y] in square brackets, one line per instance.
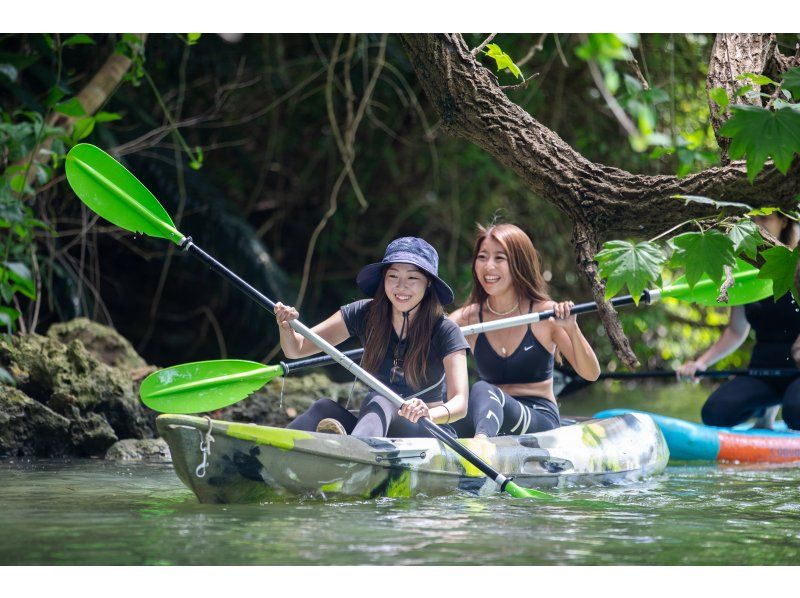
[529, 347]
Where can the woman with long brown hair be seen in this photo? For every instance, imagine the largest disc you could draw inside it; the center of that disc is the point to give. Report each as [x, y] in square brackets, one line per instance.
[409, 344]
[515, 392]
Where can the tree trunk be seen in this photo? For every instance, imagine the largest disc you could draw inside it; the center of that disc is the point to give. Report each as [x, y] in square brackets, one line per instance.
[734, 54]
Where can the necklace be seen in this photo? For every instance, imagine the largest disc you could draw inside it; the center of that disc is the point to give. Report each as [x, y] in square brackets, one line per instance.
[501, 313]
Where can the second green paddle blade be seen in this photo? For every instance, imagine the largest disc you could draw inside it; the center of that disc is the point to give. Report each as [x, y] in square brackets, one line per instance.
[112, 192]
[747, 288]
[204, 385]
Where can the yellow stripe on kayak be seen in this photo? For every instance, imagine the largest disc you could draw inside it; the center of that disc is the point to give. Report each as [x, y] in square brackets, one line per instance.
[483, 448]
[278, 437]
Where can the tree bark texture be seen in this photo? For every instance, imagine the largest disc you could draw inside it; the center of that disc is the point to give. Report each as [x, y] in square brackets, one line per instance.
[734, 54]
[602, 201]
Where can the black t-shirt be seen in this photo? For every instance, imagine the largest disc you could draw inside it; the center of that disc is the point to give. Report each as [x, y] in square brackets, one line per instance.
[777, 325]
[447, 338]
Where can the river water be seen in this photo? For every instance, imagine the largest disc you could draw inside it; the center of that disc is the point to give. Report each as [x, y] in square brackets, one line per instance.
[104, 513]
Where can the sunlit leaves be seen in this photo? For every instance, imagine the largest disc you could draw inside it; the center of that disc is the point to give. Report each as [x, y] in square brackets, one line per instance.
[761, 134]
[757, 79]
[779, 266]
[703, 253]
[502, 59]
[745, 237]
[720, 96]
[607, 46]
[624, 264]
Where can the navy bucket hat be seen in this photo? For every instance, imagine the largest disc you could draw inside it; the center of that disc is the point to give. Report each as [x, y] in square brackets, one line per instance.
[406, 250]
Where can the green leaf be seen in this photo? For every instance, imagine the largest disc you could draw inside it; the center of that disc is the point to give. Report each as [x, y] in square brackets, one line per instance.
[20, 274]
[745, 237]
[8, 315]
[104, 117]
[742, 91]
[720, 96]
[77, 40]
[502, 59]
[193, 38]
[779, 266]
[756, 79]
[703, 253]
[197, 162]
[71, 107]
[83, 128]
[622, 263]
[54, 96]
[791, 81]
[760, 133]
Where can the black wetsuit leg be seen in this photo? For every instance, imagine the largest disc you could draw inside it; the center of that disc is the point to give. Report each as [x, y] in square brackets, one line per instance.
[739, 399]
[495, 413]
[791, 405]
[321, 409]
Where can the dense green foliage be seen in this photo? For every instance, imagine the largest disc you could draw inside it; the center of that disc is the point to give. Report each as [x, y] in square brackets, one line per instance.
[328, 148]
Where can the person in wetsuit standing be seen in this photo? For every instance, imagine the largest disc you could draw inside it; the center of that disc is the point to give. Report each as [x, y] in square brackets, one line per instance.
[515, 392]
[777, 326]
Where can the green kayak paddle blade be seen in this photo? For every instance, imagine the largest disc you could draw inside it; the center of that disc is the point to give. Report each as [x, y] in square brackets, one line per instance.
[115, 194]
[747, 288]
[520, 492]
[204, 385]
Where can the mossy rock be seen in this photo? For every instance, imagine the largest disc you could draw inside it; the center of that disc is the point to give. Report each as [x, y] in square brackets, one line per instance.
[105, 344]
[132, 449]
[99, 401]
[30, 429]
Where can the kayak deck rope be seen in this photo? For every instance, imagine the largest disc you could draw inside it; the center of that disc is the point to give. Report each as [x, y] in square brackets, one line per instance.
[205, 449]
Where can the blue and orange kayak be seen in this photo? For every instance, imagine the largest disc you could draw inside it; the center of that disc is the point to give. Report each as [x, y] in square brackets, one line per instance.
[690, 441]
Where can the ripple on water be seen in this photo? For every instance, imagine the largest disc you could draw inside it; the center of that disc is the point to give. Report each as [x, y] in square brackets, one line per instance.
[83, 512]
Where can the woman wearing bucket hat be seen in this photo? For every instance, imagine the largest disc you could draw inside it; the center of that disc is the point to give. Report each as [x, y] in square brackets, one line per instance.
[515, 392]
[409, 344]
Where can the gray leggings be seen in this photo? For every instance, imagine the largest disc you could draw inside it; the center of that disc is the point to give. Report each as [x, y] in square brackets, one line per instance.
[378, 417]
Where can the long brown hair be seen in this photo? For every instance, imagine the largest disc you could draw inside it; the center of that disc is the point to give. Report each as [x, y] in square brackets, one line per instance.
[418, 338]
[524, 263]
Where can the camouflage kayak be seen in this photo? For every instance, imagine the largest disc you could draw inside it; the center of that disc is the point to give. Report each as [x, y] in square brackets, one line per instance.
[225, 462]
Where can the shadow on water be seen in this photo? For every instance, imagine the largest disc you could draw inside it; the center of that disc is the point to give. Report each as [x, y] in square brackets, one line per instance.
[104, 513]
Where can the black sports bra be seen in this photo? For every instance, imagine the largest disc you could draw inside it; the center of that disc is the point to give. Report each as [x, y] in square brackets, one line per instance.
[530, 362]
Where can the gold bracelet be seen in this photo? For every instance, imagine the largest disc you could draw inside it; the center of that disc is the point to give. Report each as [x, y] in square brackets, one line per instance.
[448, 413]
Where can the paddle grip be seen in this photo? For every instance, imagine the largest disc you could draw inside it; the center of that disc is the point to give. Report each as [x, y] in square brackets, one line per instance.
[313, 362]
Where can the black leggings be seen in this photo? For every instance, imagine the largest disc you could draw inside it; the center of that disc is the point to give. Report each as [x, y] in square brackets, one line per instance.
[495, 413]
[739, 399]
[378, 417]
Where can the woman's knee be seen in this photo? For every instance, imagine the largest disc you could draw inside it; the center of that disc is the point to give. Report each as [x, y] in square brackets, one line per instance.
[481, 387]
[376, 402]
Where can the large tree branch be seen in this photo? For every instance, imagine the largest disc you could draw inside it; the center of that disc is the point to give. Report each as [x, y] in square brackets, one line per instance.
[472, 106]
[601, 200]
